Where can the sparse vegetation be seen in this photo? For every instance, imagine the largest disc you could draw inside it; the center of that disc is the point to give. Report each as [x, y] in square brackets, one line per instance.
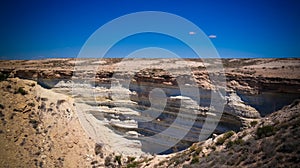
[31, 104]
[94, 162]
[1, 106]
[21, 91]
[132, 165]
[130, 159]
[59, 102]
[34, 123]
[3, 76]
[118, 159]
[265, 131]
[238, 141]
[42, 106]
[1, 115]
[225, 136]
[198, 150]
[12, 116]
[180, 158]
[253, 123]
[195, 159]
[107, 161]
[98, 149]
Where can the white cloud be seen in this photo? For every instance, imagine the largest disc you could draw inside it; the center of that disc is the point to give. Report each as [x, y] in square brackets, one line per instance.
[192, 33]
[212, 36]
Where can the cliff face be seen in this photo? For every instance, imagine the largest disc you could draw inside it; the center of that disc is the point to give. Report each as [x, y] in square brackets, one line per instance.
[247, 75]
[247, 82]
[271, 142]
[118, 104]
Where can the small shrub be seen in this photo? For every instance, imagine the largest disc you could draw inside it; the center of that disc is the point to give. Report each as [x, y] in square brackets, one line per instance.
[176, 162]
[23, 142]
[286, 148]
[253, 123]
[31, 104]
[1, 115]
[193, 147]
[59, 102]
[198, 150]
[3, 76]
[21, 91]
[130, 159]
[94, 162]
[229, 144]
[42, 106]
[12, 116]
[195, 160]
[265, 131]
[107, 161]
[225, 136]
[132, 165]
[118, 159]
[34, 123]
[1, 106]
[235, 142]
[98, 149]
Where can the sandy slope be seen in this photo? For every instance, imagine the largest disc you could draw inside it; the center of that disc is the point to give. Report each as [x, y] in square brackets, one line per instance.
[41, 129]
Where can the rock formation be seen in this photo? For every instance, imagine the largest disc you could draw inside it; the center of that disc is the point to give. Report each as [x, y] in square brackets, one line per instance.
[102, 112]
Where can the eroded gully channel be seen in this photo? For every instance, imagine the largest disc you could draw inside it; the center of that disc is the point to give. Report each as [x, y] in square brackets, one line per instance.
[265, 103]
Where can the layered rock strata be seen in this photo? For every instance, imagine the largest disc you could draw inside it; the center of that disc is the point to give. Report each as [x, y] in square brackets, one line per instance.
[126, 112]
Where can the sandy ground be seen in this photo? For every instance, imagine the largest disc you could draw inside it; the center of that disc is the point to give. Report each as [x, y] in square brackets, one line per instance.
[40, 129]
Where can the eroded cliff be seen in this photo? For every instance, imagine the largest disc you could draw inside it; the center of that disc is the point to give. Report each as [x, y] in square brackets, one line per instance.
[145, 101]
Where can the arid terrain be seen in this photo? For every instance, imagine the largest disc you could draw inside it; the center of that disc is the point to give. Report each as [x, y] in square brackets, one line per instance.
[73, 113]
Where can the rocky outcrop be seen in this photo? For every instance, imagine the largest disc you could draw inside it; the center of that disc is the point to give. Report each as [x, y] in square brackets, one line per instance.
[270, 142]
[256, 84]
[137, 113]
[237, 107]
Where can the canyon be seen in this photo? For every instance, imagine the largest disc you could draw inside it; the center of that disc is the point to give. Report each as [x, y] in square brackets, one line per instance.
[141, 108]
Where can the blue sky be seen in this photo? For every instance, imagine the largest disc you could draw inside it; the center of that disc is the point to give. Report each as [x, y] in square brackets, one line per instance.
[35, 29]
